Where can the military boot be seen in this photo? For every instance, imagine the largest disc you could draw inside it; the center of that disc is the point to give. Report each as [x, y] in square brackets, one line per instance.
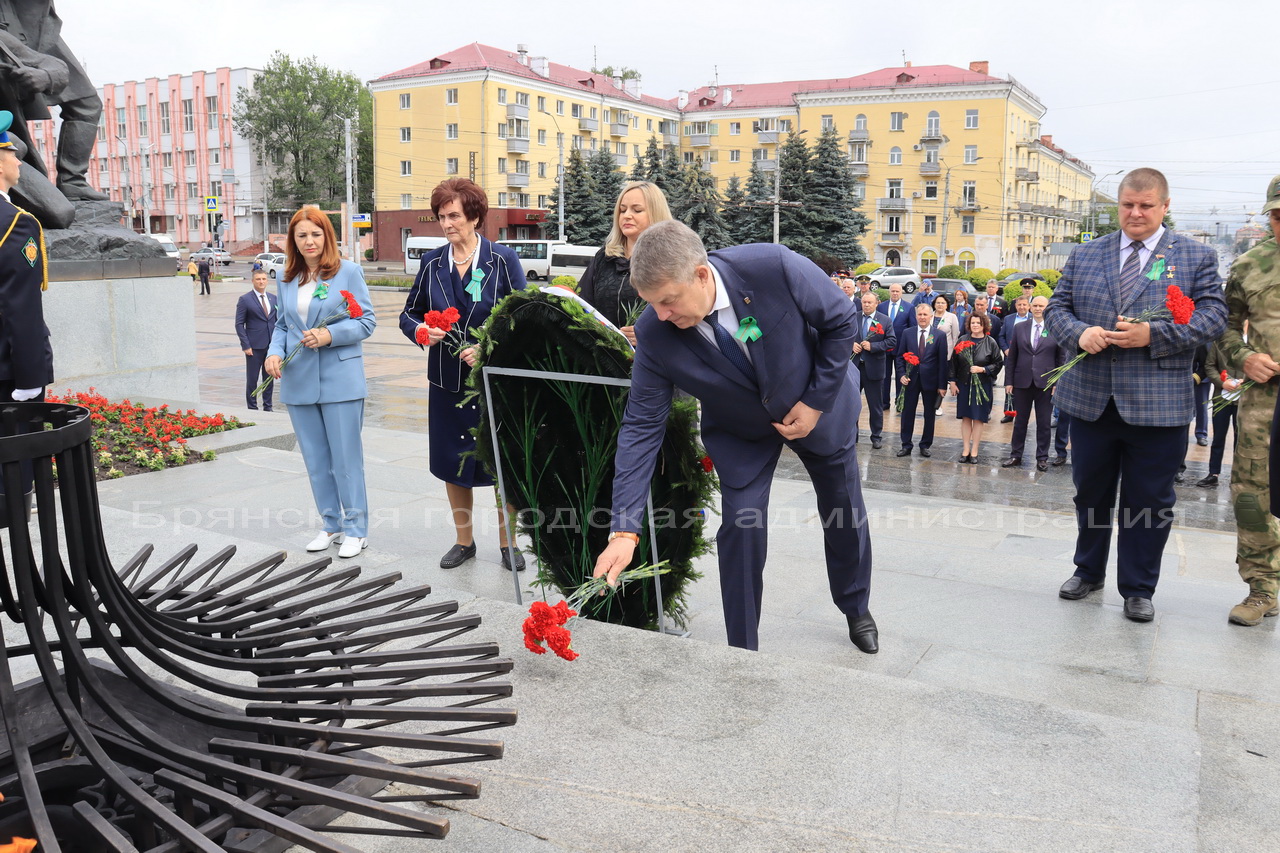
[1251, 611]
[76, 141]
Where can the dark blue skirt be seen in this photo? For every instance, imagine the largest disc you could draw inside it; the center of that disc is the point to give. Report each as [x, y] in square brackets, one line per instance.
[449, 433]
[967, 405]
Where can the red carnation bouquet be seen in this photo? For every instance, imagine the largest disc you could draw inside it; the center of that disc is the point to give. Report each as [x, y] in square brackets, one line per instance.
[350, 308]
[913, 361]
[977, 391]
[1177, 307]
[442, 320]
[545, 624]
[1223, 399]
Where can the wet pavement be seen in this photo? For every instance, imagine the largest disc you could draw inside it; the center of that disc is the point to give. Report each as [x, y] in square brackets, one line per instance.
[395, 370]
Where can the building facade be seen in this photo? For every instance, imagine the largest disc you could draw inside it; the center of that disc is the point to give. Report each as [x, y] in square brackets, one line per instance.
[951, 163]
[168, 145]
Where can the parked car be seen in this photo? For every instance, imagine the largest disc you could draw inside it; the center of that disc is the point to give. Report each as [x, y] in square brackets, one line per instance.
[275, 265]
[948, 287]
[215, 256]
[905, 276]
[1019, 276]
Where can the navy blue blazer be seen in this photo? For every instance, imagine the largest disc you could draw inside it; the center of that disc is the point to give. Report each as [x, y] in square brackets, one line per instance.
[934, 361]
[433, 290]
[254, 329]
[1026, 369]
[875, 362]
[1007, 327]
[26, 355]
[905, 318]
[1151, 385]
[807, 333]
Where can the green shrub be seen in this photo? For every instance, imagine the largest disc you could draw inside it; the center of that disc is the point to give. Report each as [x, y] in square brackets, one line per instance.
[368, 254]
[1006, 272]
[882, 293]
[565, 281]
[867, 268]
[980, 276]
[405, 283]
[1051, 276]
[951, 271]
[1014, 290]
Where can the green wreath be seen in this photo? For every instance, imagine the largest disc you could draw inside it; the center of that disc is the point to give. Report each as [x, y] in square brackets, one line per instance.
[558, 440]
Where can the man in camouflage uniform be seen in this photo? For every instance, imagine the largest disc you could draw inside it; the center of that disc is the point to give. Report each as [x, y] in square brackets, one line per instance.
[1253, 294]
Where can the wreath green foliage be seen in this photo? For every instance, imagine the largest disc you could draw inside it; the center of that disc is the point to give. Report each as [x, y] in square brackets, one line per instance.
[558, 439]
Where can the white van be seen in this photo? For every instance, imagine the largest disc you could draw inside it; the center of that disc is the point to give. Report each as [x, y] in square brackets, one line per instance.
[571, 260]
[415, 248]
[534, 255]
[170, 248]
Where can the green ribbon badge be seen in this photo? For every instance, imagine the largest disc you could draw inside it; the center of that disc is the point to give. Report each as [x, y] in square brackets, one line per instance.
[321, 291]
[748, 330]
[1157, 269]
[476, 285]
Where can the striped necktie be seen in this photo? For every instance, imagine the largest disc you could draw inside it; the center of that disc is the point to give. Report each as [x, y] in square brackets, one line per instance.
[1131, 275]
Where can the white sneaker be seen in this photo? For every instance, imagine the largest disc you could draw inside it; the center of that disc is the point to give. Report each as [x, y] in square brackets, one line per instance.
[323, 541]
[351, 546]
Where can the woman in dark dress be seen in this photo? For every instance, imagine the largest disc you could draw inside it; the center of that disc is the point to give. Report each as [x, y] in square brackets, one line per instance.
[973, 370]
[470, 274]
[607, 282]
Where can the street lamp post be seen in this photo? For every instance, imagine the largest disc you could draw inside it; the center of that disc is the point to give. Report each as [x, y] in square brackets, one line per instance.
[1093, 205]
[946, 211]
[559, 176]
[777, 188]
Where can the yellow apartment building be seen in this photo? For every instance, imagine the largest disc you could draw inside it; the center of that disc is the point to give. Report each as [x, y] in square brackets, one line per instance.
[503, 119]
[952, 164]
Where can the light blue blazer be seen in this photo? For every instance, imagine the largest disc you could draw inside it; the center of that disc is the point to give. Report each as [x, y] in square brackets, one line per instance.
[329, 374]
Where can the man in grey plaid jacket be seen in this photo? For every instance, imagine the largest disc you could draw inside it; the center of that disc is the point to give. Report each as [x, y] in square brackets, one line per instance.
[1132, 398]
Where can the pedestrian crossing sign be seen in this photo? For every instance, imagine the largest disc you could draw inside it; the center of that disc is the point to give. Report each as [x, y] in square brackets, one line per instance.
[211, 204]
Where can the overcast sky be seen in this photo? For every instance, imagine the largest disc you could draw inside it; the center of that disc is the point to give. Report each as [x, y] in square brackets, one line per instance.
[1187, 87]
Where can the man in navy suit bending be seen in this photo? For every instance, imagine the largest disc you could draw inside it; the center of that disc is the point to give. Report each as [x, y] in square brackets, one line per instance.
[1131, 399]
[761, 338]
[255, 323]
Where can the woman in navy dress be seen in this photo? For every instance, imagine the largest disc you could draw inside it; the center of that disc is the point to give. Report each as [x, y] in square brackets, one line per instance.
[470, 274]
[973, 371]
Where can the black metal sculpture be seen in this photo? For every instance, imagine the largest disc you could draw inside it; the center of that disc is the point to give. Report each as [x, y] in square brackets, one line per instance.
[199, 708]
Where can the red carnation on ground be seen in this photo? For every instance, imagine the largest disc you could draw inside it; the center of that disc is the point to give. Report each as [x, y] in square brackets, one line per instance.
[544, 625]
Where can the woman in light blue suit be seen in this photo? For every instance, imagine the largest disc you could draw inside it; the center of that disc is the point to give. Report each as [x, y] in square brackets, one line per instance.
[470, 274]
[325, 388]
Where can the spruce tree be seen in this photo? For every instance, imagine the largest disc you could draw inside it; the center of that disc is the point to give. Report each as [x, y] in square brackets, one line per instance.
[582, 207]
[608, 185]
[702, 212]
[794, 160]
[671, 180]
[831, 213]
[758, 227]
[734, 211]
[650, 163]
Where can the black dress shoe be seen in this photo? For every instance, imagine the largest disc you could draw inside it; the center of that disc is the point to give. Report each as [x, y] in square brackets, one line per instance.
[457, 555]
[1179, 478]
[507, 559]
[1058, 461]
[1042, 465]
[863, 633]
[1139, 609]
[1077, 587]
[1208, 482]
[1007, 419]
[877, 443]
[1012, 462]
[924, 451]
[1203, 442]
[905, 451]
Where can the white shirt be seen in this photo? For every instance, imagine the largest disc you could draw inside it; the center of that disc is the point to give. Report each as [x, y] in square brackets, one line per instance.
[305, 292]
[1144, 253]
[724, 315]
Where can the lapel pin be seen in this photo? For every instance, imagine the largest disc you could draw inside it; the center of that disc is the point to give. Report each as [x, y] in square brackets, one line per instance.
[746, 299]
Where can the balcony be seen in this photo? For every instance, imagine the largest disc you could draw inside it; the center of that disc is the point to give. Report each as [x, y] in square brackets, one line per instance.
[1025, 207]
[1023, 239]
[859, 170]
[968, 205]
[619, 159]
[699, 140]
[670, 139]
[517, 145]
[518, 111]
[891, 204]
[767, 165]
[1044, 210]
[931, 134]
[1028, 143]
[859, 136]
[619, 128]
[588, 124]
[892, 238]
[767, 137]
[1023, 174]
[927, 168]
[517, 179]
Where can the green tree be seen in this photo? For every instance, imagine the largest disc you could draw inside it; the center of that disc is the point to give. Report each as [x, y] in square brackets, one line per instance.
[293, 116]
[608, 183]
[702, 212]
[979, 277]
[582, 215]
[867, 268]
[734, 210]
[621, 71]
[831, 210]
[794, 161]
[671, 180]
[1113, 211]
[649, 166]
[758, 224]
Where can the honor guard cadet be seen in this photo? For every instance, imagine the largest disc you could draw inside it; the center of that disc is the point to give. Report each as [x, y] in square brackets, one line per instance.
[26, 357]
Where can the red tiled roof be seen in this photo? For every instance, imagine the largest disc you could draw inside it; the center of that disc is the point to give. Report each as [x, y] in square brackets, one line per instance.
[476, 56]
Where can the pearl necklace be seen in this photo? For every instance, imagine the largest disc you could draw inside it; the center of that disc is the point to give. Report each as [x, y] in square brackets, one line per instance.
[467, 261]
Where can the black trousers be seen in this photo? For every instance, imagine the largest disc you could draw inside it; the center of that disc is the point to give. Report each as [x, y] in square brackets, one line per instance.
[255, 373]
[1025, 400]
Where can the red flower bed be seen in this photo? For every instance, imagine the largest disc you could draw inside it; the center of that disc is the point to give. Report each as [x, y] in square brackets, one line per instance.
[129, 438]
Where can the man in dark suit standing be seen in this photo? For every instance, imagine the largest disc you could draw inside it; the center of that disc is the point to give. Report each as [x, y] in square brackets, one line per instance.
[926, 382]
[995, 302]
[901, 317]
[255, 321]
[1130, 400]
[871, 353]
[1032, 354]
[759, 336]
